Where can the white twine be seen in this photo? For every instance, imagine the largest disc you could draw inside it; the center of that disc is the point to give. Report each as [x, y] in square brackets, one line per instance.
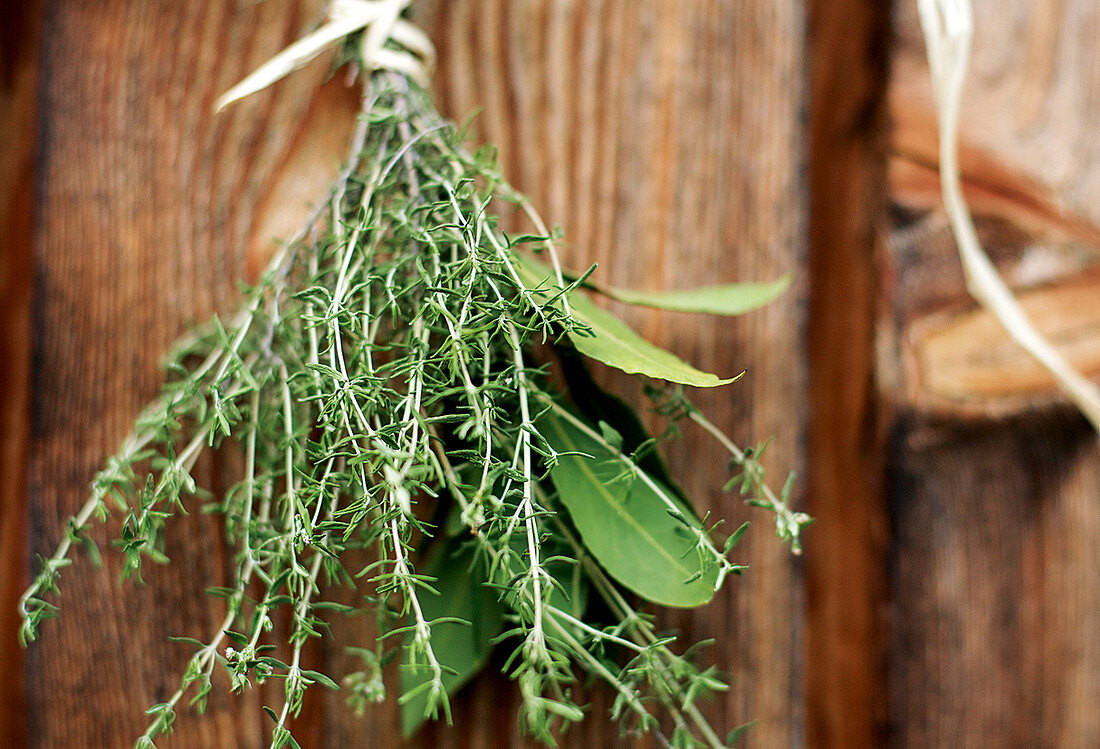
[948, 27]
[382, 21]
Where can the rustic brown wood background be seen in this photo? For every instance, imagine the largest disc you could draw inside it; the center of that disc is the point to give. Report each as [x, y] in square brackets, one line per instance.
[950, 594]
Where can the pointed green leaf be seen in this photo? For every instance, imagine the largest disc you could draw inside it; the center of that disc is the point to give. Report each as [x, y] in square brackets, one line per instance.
[462, 648]
[623, 519]
[611, 435]
[598, 405]
[612, 341]
[734, 538]
[615, 343]
[739, 732]
[321, 679]
[727, 300]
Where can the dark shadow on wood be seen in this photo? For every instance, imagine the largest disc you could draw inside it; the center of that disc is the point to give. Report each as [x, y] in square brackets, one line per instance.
[20, 24]
[845, 656]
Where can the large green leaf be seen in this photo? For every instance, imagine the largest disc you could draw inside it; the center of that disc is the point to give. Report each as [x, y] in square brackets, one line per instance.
[596, 404]
[463, 648]
[615, 343]
[612, 341]
[727, 299]
[624, 517]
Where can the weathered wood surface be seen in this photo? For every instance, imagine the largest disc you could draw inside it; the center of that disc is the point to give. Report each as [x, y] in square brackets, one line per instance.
[147, 206]
[664, 136]
[19, 26]
[995, 481]
[846, 590]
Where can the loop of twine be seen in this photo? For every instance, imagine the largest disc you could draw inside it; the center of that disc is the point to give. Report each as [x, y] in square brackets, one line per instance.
[382, 22]
[948, 27]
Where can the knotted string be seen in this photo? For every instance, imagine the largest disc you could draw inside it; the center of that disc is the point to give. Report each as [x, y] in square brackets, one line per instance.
[382, 22]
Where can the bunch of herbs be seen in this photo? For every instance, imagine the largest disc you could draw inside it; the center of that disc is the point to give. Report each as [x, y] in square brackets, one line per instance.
[408, 380]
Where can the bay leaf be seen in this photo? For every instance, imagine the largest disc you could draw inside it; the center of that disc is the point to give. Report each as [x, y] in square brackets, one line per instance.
[624, 519]
[726, 300]
[462, 648]
[616, 344]
[599, 405]
[609, 339]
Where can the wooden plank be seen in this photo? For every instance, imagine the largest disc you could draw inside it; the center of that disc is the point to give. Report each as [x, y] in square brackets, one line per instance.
[664, 136]
[995, 573]
[150, 210]
[845, 559]
[20, 25]
[994, 478]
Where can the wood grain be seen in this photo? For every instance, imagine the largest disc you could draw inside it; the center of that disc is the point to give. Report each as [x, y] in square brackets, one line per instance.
[20, 26]
[967, 363]
[845, 557]
[995, 577]
[994, 495]
[667, 167]
[1028, 103]
[147, 206]
[663, 136]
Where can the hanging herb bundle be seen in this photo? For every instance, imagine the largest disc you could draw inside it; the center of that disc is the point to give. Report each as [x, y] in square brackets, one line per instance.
[409, 380]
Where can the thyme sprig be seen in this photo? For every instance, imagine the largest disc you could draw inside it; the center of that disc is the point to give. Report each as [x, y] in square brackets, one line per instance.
[384, 384]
